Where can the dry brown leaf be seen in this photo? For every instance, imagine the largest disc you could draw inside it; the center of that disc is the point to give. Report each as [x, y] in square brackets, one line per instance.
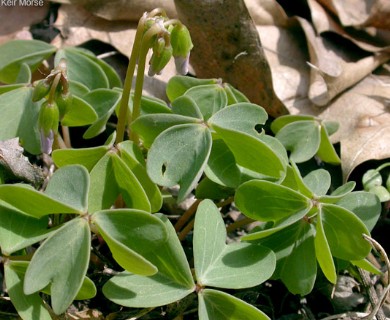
[324, 22]
[227, 45]
[361, 13]
[129, 10]
[363, 114]
[16, 21]
[333, 68]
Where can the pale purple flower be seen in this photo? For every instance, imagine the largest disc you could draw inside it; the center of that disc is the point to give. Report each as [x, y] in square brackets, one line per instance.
[47, 141]
[182, 64]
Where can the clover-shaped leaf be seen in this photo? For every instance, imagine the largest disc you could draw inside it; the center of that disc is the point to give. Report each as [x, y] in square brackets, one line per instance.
[179, 156]
[217, 264]
[53, 264]
[214, 304]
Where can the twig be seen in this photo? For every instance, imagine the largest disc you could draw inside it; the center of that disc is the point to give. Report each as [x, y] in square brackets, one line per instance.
[186, 215]
[377, 311]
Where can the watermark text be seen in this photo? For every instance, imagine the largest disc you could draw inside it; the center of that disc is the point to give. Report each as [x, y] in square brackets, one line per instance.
[21, 3]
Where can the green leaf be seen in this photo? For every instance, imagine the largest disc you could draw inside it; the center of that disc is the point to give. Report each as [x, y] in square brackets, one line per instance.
[87, 290]
[301, 184]
[301, 138]
[82, 69]
[70, 185]
[77, 88]
[14, 54]
[367, 265]
[62, 261]
[323, 253]
[234, 95]
[326, 151]
[112, 76]
[221, 166]
[80, 113]
[364, 205]
[218, 305]
[330, 126]
[150, 105]
[172, 282]
[243, 117]
[267, 201]
[35, 203]
[179, 156]
[24, 75]
[130, 188]
[252, 153]
[88, 157]
[339, 193]
[235, 266]
[186, 106]
[130, 234]
[103, 187]
[28, 306]
[104, 102]
[133, 158]
[10, 87]
[210, 98]
[344, 233]
[296, 262]
[178, 85]
[19, 118]
[148, 127]
[282, 121]
[208, 189]
[18, 231]
[318, 181]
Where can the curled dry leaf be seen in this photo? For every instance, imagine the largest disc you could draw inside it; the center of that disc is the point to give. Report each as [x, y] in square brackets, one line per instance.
[334, 69]
[366, 13]
[323, 22]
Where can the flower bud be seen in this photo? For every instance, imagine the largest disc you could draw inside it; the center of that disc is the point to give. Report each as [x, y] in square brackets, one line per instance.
[48, 125]
[162, 53]
[181, 41]
[41, 89]
[64, 102]
[372, 178]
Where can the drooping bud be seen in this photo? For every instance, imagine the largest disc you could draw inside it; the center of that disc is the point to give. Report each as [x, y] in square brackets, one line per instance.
[48, 125]
[64, 102]
[182, 45]
[41, 89]
[162, 53]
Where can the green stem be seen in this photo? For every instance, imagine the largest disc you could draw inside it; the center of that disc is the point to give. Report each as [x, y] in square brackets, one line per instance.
[387, 164]
[139, 82]
[123, 110]
[53, 88]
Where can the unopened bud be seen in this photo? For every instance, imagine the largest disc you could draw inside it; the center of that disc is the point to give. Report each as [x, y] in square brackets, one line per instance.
[41, 89]
[162, 53]
[48, 125]
[181, 41]
[64, 102]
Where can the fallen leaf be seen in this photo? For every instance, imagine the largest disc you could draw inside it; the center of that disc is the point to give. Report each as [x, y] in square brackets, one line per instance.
[16, 21]
[333, 68]
[122, 10]
[364, 132]
[365, 39]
